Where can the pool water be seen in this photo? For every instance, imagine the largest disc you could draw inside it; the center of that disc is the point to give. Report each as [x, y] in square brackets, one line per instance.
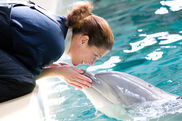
[148, 44]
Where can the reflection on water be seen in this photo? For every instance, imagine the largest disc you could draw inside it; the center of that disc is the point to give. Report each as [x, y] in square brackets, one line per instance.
[174, 5]
[148, 44]
[160, 38]
[106, 65]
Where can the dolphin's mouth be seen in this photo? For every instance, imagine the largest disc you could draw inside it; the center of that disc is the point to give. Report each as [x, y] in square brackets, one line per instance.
[95, 81]
[89, 75]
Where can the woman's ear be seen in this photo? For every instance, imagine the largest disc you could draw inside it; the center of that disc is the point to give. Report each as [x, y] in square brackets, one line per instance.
[84, 39]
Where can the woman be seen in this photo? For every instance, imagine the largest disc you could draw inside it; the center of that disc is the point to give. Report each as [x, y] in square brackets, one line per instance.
[37, 41]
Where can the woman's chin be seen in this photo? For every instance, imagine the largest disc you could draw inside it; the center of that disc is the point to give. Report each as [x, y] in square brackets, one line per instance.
[75, 64]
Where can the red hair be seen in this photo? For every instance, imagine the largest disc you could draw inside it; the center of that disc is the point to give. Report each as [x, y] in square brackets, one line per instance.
[82, 21]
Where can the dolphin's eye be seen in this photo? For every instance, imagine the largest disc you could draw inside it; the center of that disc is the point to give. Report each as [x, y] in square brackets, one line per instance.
[150, 85]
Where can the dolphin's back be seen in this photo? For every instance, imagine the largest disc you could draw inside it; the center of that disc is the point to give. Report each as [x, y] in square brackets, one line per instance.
[129, 89]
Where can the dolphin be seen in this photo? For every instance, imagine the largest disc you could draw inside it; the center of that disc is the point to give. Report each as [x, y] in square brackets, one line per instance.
[112, 91]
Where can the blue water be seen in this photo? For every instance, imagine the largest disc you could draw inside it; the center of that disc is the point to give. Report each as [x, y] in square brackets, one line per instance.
[148, 44]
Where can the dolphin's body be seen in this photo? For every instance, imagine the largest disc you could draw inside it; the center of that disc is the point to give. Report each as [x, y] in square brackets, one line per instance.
[112, 91]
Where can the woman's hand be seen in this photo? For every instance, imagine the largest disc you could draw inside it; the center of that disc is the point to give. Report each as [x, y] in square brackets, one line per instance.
[71, 75]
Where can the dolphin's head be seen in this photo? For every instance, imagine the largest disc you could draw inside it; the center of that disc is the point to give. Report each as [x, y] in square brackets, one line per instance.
[115, 88]
[122, 88]
[112, 91]
[104, 98]
[102, 88]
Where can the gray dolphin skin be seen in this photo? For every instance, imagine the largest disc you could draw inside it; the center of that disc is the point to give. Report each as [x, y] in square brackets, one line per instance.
[111, 91]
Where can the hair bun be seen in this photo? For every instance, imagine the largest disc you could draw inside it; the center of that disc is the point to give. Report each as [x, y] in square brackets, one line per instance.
[80, 11]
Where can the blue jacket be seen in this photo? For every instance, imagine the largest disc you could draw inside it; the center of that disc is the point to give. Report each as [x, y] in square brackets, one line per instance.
[37, 40]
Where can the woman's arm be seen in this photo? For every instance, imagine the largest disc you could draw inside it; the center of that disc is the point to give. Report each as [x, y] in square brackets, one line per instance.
[47, 72]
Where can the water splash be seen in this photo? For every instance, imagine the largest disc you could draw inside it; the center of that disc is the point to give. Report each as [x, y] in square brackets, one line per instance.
[155, 110]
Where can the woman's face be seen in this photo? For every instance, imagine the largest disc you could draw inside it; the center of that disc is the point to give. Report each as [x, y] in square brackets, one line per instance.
[81, 53]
